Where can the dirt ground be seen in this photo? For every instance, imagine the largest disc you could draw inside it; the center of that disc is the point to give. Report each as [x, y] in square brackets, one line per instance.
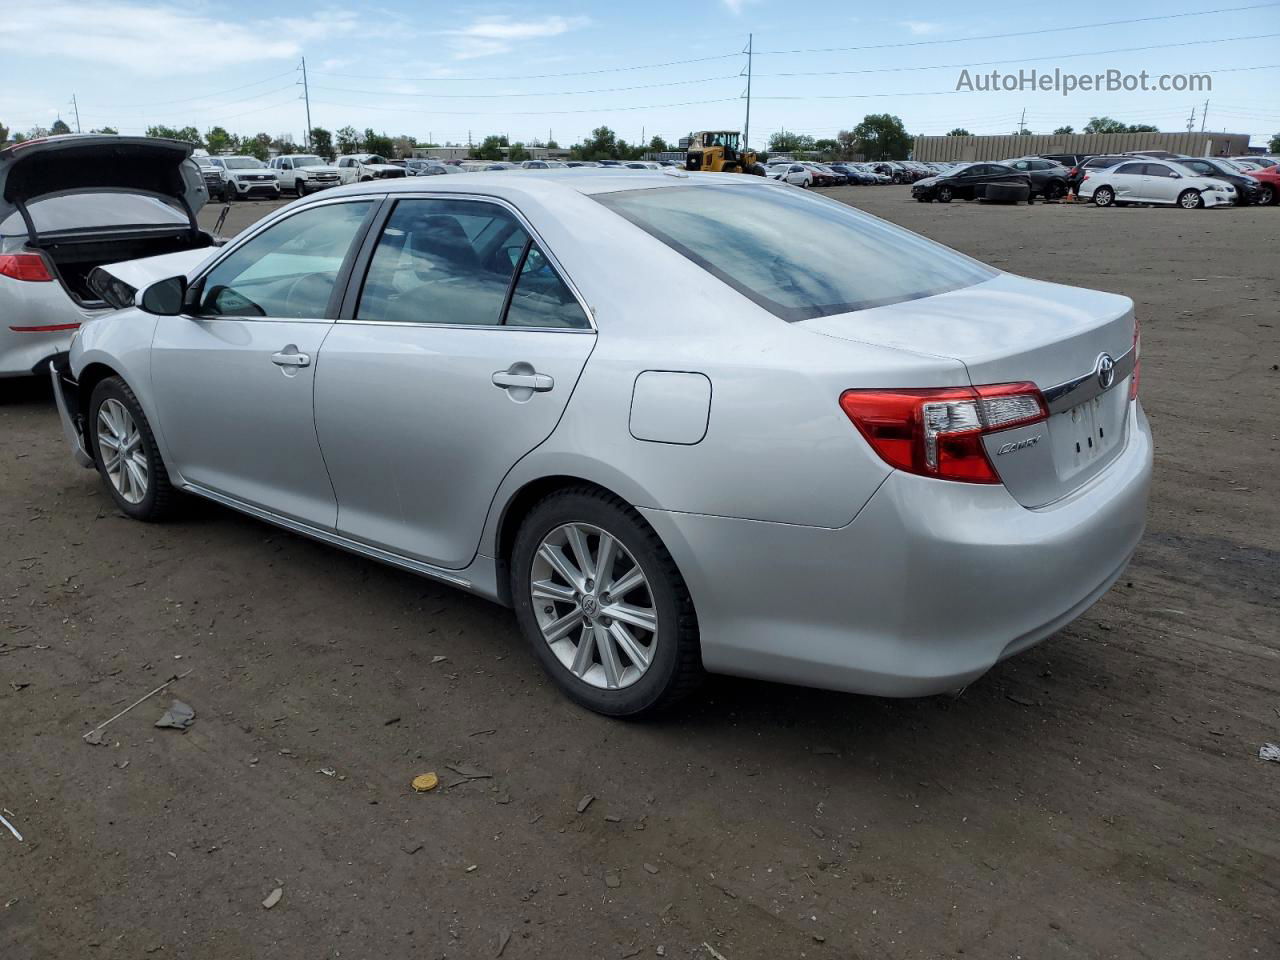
[1098, 796]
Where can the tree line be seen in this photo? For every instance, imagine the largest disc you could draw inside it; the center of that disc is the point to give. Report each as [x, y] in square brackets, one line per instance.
[880, 136]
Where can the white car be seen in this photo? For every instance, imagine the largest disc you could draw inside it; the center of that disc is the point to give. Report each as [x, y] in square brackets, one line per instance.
[304, 173]
[242, 178]
[542, 165]
[1154, 181]
[796, 174]
[356, 167]
[71, 204]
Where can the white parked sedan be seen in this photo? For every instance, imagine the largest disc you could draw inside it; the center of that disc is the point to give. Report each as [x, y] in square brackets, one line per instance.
[69, 204]
[1154, 181]
[796, 174]
[632, 406]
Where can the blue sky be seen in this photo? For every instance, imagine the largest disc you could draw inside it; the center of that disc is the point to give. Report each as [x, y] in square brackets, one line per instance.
[530, 68]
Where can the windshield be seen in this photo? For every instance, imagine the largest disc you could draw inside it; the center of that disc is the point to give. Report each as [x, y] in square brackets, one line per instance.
[94, 211]
[745, 235]
[243, 163]
[308, 162]
[374, 159]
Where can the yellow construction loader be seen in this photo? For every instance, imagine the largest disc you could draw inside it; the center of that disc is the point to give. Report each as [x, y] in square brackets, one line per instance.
[719, 151]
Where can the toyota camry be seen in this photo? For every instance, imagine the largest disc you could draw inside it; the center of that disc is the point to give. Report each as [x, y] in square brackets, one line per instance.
[635, 408]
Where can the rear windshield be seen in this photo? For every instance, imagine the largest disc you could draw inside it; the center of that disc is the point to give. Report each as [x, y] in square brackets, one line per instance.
[796, 255]
[94, 211]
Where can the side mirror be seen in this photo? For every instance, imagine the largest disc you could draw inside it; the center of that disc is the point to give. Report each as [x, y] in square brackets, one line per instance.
[164, 298]
[1177, 176]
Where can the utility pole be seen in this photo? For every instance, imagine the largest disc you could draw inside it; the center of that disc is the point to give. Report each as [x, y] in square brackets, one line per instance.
[306, 96]
[76, 108]
[1204, 114]
[746, 129]
[1022, 121]
[1191, 120]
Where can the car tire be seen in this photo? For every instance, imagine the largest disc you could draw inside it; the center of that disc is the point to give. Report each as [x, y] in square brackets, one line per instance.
[300, 188]
[1104, 196]
[654, 676]
[136, 479]
[1055, 190]
[944, 195]
[1190, 200]
[1266, 195]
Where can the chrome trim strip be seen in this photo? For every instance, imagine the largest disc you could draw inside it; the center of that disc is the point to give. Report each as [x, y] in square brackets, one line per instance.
[1071, 393]
[334, 539]
[465, 326]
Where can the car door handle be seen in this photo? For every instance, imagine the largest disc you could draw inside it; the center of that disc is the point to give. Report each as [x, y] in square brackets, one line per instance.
[537, 382]
[287, 358]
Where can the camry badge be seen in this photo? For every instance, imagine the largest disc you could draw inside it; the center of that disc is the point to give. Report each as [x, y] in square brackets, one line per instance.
[1016, 445]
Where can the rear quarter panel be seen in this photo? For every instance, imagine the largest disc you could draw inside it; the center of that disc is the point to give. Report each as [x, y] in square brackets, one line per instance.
[777, 445]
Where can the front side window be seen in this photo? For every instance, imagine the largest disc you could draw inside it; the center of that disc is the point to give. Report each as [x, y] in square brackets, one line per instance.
[745, 235]
[289, 270]
[1158, 170]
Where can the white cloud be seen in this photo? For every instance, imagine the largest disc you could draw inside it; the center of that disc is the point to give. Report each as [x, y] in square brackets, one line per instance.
[921, 27]
[735, 6]
[157, 40]
[489, 36]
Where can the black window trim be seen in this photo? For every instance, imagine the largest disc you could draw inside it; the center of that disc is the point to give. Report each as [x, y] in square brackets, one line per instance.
[364, 260]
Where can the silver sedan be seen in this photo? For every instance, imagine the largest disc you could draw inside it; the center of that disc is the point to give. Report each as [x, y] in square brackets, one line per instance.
[681, 423]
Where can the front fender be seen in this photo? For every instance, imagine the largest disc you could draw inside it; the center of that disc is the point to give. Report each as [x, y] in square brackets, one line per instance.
[121, 341]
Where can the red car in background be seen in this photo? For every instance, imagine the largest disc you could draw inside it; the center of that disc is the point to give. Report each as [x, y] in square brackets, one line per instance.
[1268, 183]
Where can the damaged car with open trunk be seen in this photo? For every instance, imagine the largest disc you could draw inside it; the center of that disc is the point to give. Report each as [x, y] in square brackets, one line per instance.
[71, 204]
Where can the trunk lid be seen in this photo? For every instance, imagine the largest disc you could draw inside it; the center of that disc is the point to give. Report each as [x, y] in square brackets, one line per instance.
[1011, 329]
[98, 162]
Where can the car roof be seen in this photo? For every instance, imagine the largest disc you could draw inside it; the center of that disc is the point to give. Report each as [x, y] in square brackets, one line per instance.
[547, 184]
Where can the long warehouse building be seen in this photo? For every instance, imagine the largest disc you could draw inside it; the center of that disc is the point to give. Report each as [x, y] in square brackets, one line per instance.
[1014, 145]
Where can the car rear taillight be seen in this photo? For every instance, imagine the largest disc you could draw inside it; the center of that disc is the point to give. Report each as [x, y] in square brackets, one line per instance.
[1137, 360]
[938, 432]
[25, 266]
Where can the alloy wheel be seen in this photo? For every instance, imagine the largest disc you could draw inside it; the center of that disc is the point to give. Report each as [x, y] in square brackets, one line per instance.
[120, 446]
[1190, 200]
[594, 606]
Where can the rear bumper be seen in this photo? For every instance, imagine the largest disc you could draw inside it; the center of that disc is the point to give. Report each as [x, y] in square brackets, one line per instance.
[66, 394]
[930, 586]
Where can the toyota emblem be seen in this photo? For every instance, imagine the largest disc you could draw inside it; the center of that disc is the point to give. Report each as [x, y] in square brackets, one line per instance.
[1106, 371]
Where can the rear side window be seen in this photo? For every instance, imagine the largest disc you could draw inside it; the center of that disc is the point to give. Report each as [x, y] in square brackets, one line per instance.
[747, 236]
[1131, 168]
[454, 262]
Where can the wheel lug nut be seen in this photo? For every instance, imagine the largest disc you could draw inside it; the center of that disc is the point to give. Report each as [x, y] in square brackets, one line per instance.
[548, 609]
[591, 584]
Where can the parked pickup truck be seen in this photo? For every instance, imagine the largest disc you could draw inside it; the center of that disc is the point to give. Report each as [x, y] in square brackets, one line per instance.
[304, 173]
[354, 167]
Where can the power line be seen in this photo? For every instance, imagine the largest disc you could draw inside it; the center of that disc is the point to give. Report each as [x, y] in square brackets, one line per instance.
[532, 113]
[531, 76]
[1020, 33]
[545, 93]
[1063, 56]
[205, 96]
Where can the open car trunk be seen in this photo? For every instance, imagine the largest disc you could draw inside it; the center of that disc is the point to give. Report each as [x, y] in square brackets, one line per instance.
[85, 201]
[74, 260]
